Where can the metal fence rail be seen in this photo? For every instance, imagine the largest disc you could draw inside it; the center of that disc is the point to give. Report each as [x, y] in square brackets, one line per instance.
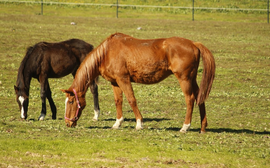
[142, 6]
[137, 6]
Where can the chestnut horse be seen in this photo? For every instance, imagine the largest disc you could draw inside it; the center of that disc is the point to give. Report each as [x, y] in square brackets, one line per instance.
[51, 60]
[122, 59]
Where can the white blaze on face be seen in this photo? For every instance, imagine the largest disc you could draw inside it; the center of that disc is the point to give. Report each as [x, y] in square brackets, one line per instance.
[66, 106]
[21, 99]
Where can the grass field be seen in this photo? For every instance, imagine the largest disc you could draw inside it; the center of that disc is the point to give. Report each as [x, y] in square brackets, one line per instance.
[251, 10]
[238, 110]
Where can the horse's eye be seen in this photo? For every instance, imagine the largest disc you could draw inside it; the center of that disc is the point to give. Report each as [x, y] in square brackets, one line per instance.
[71, 102]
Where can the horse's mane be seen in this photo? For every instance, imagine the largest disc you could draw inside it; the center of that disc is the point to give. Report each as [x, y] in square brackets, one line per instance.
[20, 78]
[89, 68]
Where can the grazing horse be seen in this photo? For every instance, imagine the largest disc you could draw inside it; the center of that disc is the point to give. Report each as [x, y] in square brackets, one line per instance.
[122, 59]
[51, 60]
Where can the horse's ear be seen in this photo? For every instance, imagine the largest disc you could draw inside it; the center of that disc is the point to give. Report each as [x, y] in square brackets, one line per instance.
[67, 91]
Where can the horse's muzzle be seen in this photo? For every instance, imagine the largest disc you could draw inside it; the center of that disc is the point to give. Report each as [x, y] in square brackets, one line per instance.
[71, 124]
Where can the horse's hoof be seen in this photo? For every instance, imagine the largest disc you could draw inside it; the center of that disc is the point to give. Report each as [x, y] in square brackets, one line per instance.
[185, 128]
[118, 123]
[202, 132]
[139, 128]
[41, 118]
[97, 113]
[139, 125]
[183, 131]
[114, 127]
[95, 118]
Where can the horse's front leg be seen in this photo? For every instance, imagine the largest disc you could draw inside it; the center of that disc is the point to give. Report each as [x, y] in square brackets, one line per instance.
[118, 98]
[126, 86]
[94, 90]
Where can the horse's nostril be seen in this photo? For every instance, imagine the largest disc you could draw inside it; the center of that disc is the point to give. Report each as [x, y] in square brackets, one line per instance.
[67, 124]
[73, 125]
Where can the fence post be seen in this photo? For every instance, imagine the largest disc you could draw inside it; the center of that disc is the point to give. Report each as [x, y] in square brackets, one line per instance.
[268, 12]
[192, 10]
[41, 7]
[116, 8]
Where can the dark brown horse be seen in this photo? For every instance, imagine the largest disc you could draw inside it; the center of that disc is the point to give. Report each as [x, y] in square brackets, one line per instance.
[122, 59]
[51, 60]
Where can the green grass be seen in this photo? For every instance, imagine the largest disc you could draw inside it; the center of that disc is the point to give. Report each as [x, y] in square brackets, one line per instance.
[238, 107]
[150, 13]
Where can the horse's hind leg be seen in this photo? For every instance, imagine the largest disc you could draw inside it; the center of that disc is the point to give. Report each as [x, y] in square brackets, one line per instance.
[42, 80]
[94, 90]
[203, 117]
[201, 108]
[45, 92]
[188, 91]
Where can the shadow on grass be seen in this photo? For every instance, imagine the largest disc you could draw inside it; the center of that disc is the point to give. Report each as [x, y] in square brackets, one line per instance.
[221, 130]
[144, 119]
[177, 129]
[238, 131]
[214, 130]
[97, 127]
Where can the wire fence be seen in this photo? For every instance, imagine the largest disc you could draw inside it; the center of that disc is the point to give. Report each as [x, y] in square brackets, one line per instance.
[117, 4]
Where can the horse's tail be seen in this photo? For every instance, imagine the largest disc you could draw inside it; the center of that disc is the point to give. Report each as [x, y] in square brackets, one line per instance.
[208, 73]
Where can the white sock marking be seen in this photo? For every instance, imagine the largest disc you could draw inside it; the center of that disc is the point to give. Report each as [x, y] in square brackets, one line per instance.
[185, 128]
[96, 115]
[21, 99]
[118, 123]
[139, 125]
[41, 118]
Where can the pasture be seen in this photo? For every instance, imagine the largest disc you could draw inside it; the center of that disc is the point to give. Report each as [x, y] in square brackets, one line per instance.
[238, 108]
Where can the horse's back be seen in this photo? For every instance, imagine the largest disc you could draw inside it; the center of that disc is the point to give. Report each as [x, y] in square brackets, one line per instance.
[57, 59]
[143, 60]
[80, 46]
[151, 60]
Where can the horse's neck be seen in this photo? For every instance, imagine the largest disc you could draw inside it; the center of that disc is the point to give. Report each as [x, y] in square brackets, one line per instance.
[83, 85]
[23, 82]
[89, 69]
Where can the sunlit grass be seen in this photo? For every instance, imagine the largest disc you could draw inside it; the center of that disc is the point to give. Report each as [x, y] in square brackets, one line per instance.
[80, 10]
[237, 109]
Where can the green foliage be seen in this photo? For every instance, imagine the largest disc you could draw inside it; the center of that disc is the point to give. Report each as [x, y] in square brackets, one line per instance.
[237, 109]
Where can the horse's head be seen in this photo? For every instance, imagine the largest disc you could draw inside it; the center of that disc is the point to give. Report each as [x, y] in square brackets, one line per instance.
[22, 100]
[74, 104]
